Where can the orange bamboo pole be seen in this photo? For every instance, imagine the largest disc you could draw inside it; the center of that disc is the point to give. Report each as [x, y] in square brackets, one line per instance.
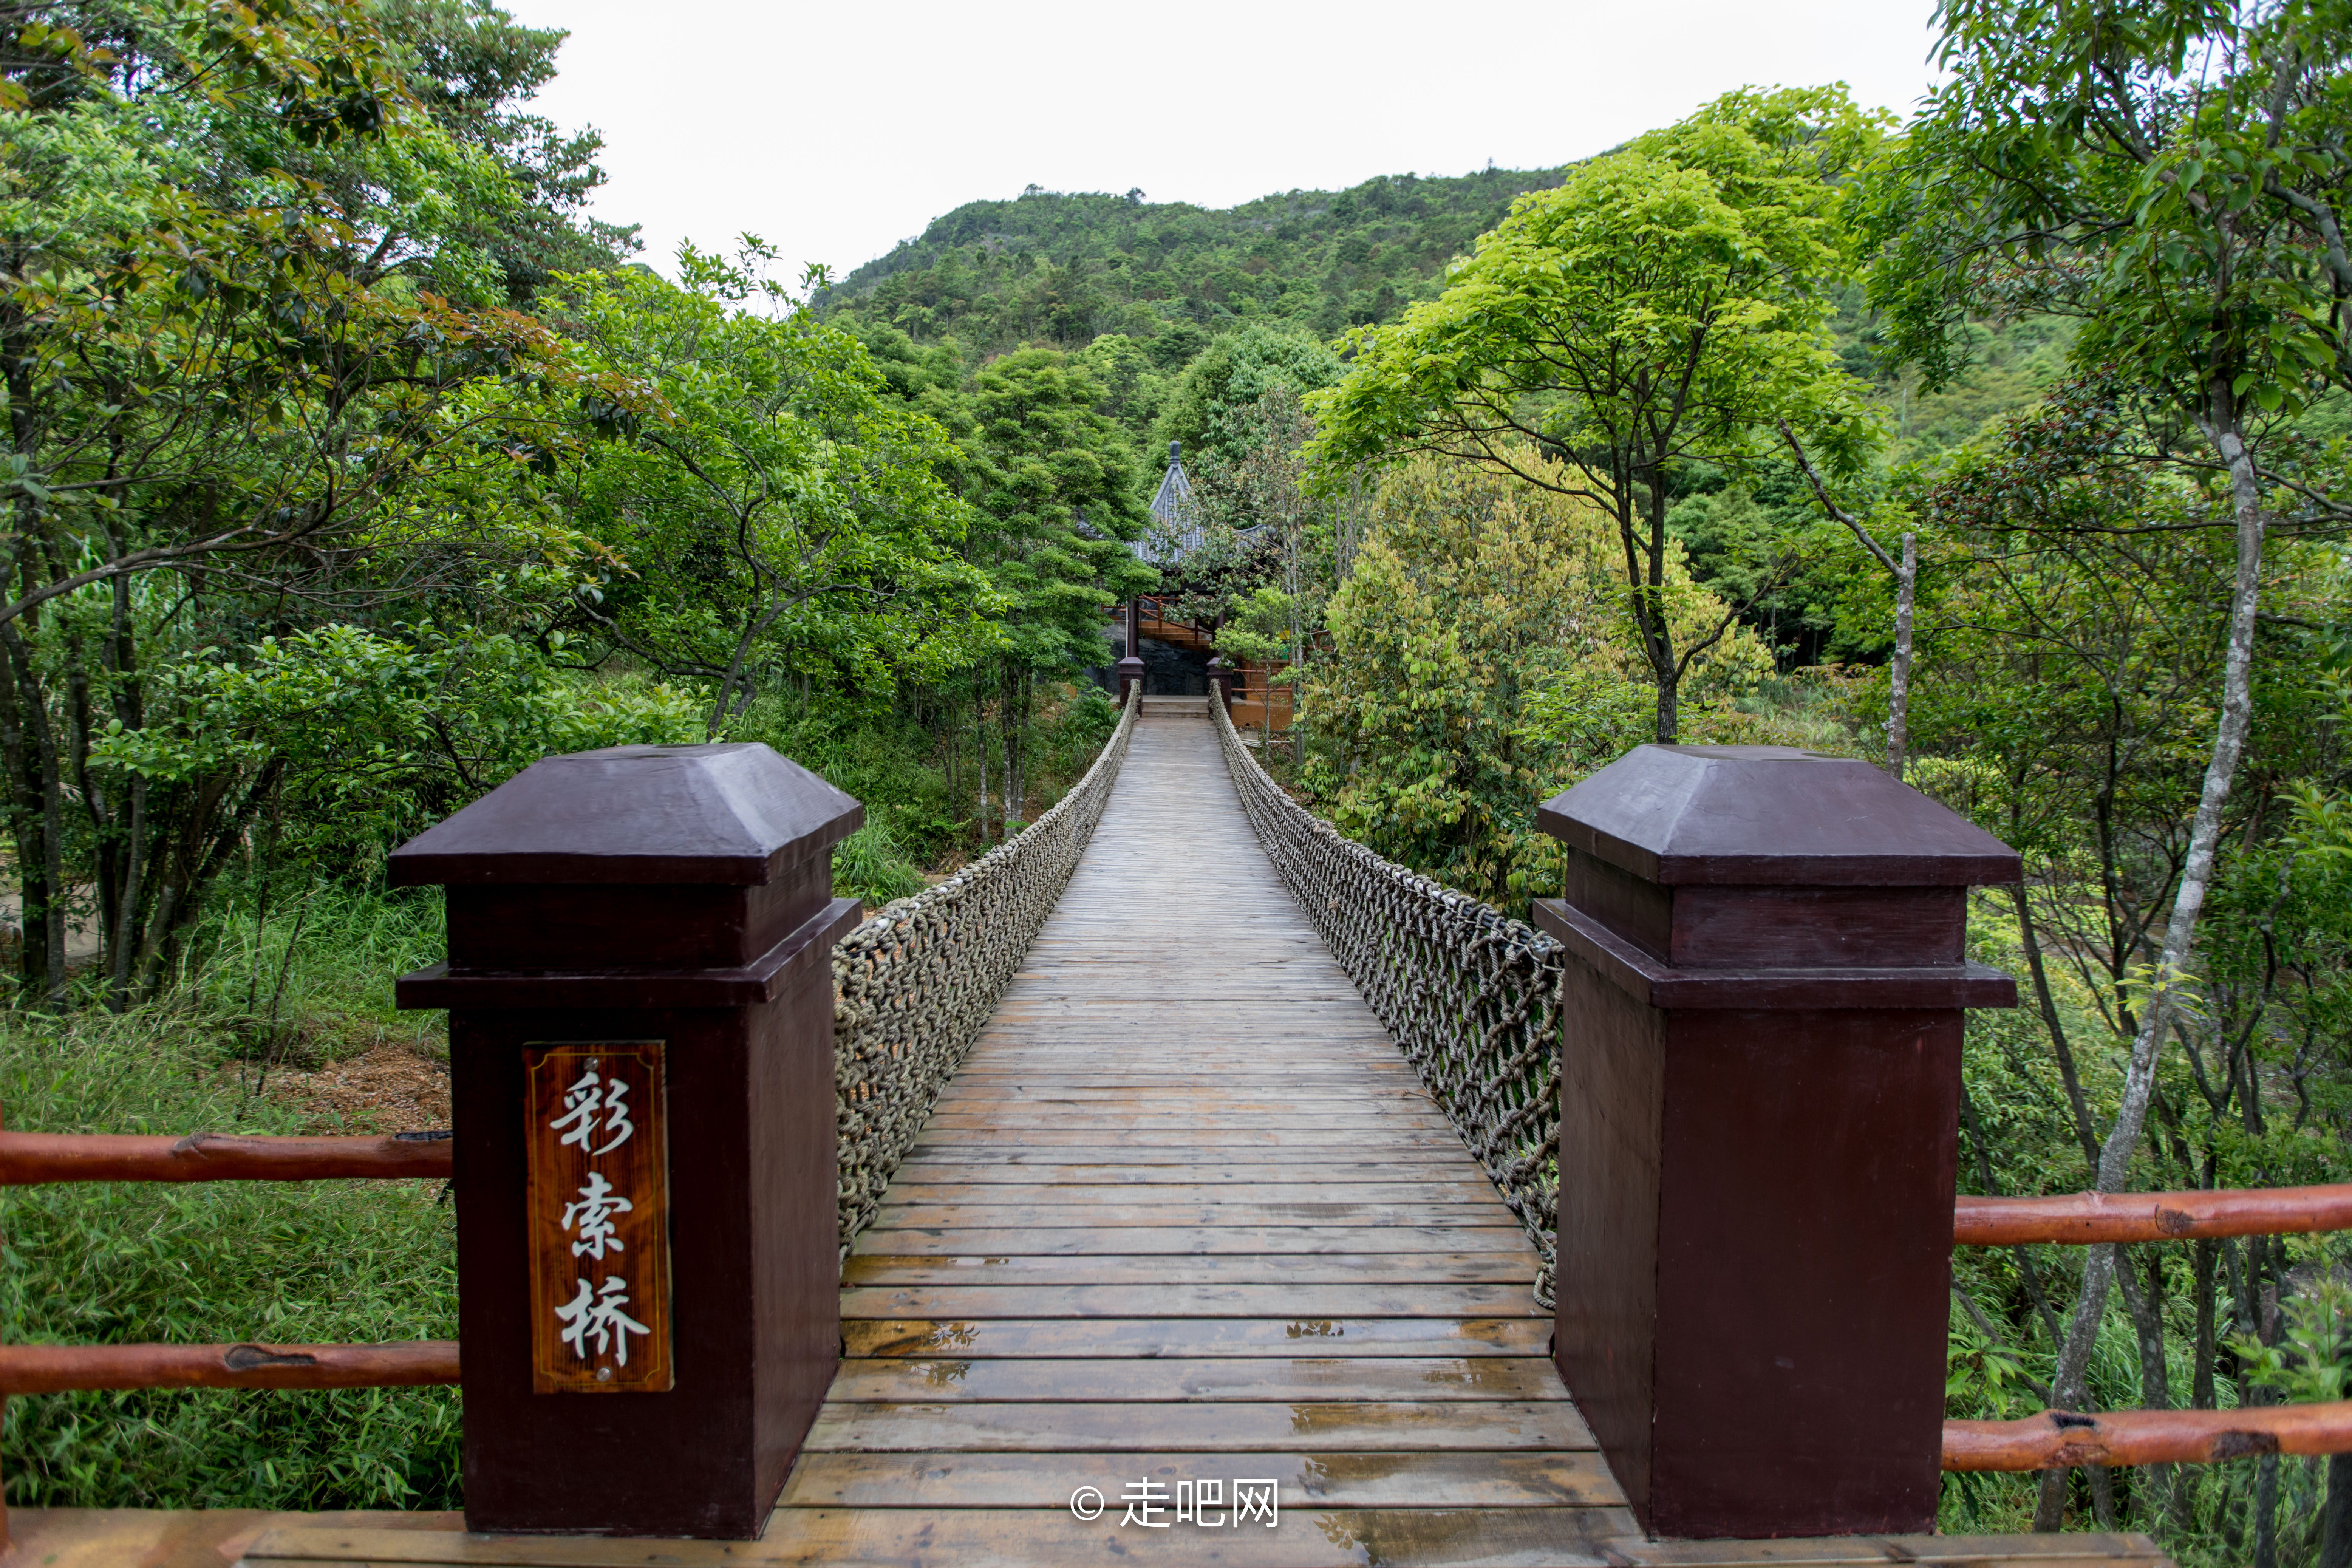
[2054, 1441]
[30, 1157]
[55, 1369]
[2078, 1219]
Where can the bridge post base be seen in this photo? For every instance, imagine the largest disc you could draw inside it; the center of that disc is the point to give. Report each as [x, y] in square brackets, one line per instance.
[640, 996]
[1760, 1082]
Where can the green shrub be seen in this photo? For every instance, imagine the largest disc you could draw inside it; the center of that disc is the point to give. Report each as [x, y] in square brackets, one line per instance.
[309, 978]
[219, 1262]
[867, 865]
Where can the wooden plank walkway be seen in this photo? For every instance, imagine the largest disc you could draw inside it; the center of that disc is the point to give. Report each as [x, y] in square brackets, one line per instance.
[1185, 1216]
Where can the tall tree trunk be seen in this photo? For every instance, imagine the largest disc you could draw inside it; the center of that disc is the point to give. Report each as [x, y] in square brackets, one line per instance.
[1898, 674]
[1905, 572]
[2068, 1075]
[2259, 1311]
[53, 859]
[34, 717]
[1006, 683]
[1021, 752]
[946, 716]
[2202, 1256]
[123, 938]
[2335, 1520]
[2155, 1380]
[980, 743]
[2196, 875]
[25, 827]
[2266, 1511]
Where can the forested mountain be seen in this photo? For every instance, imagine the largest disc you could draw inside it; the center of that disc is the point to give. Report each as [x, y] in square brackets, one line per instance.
[1063, 269]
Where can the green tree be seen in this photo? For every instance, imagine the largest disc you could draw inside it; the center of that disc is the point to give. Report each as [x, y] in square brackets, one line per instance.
[1056, 493]
[1266, 490]
[348, 740]
[1209, 408]
[775, 508]
[2072, 628]
[1665, 308]
[257, 375]
[1480, 663]
[473, 67]
[2168, 175]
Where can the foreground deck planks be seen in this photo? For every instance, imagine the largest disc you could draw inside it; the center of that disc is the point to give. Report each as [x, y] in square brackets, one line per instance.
[1186, 1213]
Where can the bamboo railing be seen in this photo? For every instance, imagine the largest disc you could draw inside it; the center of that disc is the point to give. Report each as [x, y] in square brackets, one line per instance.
[35, 1158]
[2056, 1439]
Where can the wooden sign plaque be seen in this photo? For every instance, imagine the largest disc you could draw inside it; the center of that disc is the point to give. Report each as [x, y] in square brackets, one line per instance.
[596, 1128]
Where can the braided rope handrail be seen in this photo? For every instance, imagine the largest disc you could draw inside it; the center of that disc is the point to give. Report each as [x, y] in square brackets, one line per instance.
[1471, 995]
[914, 984]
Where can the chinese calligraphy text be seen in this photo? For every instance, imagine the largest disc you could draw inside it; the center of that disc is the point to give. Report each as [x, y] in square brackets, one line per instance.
[599, 1206]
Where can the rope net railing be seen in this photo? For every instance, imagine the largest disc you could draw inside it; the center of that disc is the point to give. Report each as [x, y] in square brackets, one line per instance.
[1471, 995]
[914, 984]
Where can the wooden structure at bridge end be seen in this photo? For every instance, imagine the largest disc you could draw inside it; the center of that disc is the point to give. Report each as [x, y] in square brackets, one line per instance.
[1758, 1132]
[639, 956]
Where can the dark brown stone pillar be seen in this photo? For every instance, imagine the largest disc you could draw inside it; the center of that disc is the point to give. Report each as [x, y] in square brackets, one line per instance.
[1760, 1079]
[662, 918]
[1130, 669]
[1219, 670]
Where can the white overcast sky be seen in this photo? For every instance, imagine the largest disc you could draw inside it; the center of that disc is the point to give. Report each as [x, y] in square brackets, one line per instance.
[834, 131]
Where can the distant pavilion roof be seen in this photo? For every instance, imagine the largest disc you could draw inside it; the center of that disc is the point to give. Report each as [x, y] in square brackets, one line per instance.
[1176, 530]
[1177, 527]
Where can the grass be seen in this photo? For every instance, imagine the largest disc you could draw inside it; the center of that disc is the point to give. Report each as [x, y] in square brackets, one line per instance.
[221, 1262]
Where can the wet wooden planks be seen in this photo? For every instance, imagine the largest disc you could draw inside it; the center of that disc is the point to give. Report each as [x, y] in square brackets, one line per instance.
[1187, 1214]
[1006, 1537]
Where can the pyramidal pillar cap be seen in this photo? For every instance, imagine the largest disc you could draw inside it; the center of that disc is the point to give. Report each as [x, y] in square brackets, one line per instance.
[731, 813]
[1751, 815]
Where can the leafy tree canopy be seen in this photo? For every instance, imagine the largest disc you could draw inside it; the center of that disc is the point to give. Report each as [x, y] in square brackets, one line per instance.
[1059, 498]
[775, 509]
[1665, 308]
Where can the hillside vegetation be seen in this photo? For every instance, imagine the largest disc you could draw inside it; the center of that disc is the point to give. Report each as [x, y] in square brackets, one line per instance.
[351, 467]
[1064, 269]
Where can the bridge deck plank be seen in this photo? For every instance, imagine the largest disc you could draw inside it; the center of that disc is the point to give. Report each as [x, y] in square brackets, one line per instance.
[1261, 1251]
[1173, 1337]
[1161, 1268]
[1037, 1480]
[1043, 1196]
[919, 1509]
[1187, 1208]
[1084, 1176]
[1236, 1236]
